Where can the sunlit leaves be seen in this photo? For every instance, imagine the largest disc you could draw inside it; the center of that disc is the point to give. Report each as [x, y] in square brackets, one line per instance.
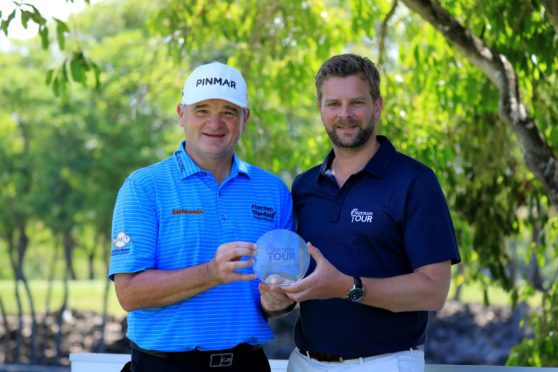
[278, 46]
[58, 77]
[438, 108]
[541, 350]
[79, 65]
[61, 29]
[6, 22]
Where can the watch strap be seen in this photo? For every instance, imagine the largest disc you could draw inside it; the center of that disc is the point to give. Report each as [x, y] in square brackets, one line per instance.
[358, 282]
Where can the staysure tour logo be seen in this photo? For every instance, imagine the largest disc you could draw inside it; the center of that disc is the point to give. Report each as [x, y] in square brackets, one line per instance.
[361, 216]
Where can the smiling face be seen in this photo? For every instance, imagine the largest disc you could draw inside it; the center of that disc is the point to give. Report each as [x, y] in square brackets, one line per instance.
[212, 128]
[348, 111]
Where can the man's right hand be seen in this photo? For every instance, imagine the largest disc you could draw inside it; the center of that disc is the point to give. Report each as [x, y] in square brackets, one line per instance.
[155, 288]
[222, 268]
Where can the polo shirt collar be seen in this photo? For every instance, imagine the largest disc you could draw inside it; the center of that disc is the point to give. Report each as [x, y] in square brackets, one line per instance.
[187, 167]
[376, 166]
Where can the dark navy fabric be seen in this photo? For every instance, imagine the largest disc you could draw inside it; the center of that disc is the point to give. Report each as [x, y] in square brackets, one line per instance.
[386, 220]
[142, 362]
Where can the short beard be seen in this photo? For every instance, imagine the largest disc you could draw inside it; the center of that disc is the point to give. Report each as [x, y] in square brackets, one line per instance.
[360, 140]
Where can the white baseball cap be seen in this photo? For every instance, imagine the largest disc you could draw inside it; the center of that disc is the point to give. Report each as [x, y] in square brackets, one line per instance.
[215, 81]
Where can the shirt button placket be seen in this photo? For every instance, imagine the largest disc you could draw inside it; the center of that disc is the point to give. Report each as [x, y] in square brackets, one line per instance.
[219, 198]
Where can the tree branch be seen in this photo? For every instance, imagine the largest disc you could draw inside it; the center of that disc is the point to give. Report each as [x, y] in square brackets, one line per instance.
[383, 33]
[538, 155]
[551, 8]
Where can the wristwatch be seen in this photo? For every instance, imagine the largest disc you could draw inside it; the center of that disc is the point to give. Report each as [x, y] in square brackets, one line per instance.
[356, 293]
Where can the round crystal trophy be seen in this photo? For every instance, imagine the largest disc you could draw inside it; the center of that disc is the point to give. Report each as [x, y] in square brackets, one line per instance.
[282, 257]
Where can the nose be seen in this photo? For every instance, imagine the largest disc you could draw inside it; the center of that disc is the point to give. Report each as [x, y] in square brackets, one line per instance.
[215, 119]
[345, 111]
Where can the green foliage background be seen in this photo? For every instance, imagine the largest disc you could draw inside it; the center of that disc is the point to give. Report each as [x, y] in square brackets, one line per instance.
[65, 148]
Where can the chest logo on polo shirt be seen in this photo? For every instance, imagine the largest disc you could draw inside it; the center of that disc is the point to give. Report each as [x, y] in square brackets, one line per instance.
[187, 211]
[262, 212]
[361, 216]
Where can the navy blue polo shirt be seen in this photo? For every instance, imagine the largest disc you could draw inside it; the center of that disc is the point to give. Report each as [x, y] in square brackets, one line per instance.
[386, 220]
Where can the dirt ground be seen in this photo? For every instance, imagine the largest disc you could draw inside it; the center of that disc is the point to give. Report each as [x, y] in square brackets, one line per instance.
[458, 334]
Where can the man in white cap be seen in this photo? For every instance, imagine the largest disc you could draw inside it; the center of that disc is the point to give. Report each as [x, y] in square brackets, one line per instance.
[183, 240]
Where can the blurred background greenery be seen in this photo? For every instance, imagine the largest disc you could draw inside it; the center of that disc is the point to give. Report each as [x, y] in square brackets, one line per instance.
[89, 100]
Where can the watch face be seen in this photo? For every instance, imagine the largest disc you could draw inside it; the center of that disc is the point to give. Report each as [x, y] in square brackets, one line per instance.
[355, 294]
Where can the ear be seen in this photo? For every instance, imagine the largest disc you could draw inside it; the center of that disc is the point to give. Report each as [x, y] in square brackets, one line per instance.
[180, 114]
[379, 104]
[245, 122]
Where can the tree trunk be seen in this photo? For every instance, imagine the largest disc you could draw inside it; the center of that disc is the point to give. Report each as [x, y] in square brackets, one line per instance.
[6, 331]
[534, 273]
[101, 347]
[19, 334]
[551, 8]
[22, 248]
[48, 300]
[12, 251]
[60, 320]
[52, 273]
[91, 266]
[514, 261]
[69, 252]
[457, 294]
[32, 338]
[537, 153]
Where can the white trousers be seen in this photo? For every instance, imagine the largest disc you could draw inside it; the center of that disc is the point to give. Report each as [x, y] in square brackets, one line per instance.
[403, 361]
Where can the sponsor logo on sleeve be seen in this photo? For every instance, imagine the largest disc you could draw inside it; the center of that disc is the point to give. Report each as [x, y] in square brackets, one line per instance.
[119, 243]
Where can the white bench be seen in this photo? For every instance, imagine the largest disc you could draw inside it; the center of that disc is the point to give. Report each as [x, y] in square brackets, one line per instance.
[91, 362]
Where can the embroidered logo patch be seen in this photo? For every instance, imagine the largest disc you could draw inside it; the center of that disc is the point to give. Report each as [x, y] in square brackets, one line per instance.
[119, 243]
[361, 216]
[121, 240]
[262, 212]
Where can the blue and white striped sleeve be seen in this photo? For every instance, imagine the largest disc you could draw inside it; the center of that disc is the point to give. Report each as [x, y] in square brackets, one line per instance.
[134, 227]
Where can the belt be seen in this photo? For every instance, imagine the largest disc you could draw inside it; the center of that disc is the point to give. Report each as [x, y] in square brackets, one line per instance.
[325, 357]
[212, 358]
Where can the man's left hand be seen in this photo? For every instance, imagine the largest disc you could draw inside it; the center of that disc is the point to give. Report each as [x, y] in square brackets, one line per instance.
[324, 282]
[274, 301]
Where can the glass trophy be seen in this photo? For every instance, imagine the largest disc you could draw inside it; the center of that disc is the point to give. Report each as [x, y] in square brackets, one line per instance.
[282, 257]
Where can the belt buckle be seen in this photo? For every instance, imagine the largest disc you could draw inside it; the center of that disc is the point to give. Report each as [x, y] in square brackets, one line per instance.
[221, 360]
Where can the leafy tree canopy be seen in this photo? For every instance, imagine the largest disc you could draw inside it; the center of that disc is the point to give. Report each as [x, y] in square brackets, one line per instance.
[469, 89]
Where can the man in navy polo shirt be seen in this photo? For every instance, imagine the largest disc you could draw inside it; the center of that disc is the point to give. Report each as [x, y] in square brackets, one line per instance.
[380, 234]
[183, 240]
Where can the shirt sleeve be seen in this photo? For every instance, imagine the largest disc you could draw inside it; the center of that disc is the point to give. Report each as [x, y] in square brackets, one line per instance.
[286, 216]
[134, 229]
[429, 234]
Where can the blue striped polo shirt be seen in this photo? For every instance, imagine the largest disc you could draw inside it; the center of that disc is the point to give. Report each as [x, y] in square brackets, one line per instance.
[172, 215]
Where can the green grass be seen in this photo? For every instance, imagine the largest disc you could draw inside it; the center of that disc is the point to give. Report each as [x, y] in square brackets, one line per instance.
[473, 293]
[83, 295]
[88, 295]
